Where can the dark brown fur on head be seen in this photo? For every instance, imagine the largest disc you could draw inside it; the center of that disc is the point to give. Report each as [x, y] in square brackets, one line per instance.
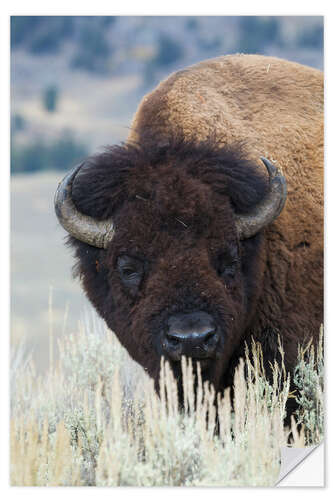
[173, 203]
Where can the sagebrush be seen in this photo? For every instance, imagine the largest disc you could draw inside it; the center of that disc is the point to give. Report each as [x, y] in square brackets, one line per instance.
[95, 419]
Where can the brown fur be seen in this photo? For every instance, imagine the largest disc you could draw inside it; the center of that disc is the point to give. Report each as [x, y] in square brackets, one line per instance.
[191, 162]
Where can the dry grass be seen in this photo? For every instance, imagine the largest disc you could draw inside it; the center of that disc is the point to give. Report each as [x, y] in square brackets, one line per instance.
[96, 420]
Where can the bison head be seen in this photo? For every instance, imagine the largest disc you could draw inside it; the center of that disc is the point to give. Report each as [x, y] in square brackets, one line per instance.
[170, 247]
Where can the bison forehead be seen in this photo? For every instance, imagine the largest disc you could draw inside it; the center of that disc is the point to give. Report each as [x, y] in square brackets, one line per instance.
[143, 229]
[168, 194]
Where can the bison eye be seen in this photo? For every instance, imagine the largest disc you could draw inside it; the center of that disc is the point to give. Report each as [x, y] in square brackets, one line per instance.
[227, 264]
[130, 270]
[229, 270]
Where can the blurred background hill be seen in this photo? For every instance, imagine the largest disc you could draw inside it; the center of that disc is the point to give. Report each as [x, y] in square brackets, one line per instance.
[75, 84]
[76, 81]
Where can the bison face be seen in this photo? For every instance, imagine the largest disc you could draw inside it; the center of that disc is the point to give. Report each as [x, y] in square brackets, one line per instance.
[178, 277]
[180, 280]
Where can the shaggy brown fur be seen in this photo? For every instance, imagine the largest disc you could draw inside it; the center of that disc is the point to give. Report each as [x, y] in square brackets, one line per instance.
[191, 162]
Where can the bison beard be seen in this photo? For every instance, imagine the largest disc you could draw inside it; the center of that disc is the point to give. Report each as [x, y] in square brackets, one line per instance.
[178, 278]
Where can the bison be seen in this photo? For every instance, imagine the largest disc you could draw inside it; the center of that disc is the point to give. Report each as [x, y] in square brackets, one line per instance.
[205, 228]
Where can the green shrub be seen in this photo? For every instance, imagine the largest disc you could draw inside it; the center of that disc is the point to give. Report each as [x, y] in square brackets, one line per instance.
[309, 380]
[168, 51]
[93, 50]
[59, 154]
[192, 24]
[17, 123]
[313, 38]
[40, 34]
[256, 31]
[50, 98]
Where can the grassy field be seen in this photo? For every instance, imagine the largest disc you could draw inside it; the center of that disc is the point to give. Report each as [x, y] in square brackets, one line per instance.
[95, 420]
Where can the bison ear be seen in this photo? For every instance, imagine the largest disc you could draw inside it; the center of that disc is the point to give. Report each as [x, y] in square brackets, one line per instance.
[99, 187]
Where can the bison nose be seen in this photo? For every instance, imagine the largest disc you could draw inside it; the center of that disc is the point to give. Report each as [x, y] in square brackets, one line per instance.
[190, 334]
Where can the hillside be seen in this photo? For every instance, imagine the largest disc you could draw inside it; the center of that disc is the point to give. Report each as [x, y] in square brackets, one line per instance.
[39, 261]
[76, 81]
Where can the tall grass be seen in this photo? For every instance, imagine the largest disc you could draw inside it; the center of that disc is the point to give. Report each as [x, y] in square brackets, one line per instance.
[95, 419]
[309, 381]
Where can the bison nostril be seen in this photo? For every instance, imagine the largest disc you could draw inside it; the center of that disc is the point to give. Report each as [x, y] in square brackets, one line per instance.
[173, 340]
[172, 346]
[210, 337]
[191, 334]
[211, 341]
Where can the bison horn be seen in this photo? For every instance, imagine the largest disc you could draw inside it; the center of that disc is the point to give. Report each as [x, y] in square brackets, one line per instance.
[84, 228]
[269, 208]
